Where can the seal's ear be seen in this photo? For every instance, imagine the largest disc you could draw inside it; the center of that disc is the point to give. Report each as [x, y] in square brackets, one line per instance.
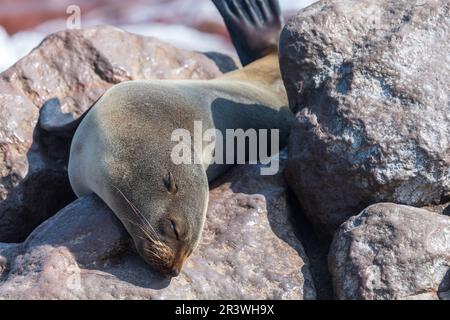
[169, 182]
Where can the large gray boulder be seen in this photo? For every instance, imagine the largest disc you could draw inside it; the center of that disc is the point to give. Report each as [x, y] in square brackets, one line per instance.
[248, 251]
[76, 66]
[369, 81]
[392, 251]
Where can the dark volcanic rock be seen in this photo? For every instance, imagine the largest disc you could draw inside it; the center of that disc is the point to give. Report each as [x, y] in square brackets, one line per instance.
[248, 251]
[392, 251]
[77, 67]
[369, 82]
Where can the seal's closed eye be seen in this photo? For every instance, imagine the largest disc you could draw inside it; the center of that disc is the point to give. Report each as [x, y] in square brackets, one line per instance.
[175, 229]
[171, 229]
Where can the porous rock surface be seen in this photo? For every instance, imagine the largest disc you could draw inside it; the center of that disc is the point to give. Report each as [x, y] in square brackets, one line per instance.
[369, 81]
[76, 66]
[392, 251]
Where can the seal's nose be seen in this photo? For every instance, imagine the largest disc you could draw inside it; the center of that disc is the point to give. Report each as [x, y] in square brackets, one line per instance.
[178, 263]
[175, 272]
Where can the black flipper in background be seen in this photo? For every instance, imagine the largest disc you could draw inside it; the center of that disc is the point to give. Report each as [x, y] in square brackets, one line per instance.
[254, 26]
[54, 121]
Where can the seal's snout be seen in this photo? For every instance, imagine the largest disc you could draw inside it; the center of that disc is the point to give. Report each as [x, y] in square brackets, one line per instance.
[167, 251]
[177, 265]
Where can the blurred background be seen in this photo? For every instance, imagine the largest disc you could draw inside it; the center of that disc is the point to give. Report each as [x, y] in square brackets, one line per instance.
[189, 24]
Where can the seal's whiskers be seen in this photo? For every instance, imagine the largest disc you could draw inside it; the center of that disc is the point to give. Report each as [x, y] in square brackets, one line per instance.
[137, 212]
[148, 236]
[157, 245]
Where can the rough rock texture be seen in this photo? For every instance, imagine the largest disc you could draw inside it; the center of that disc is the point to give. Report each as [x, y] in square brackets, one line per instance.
[75, 66]
[392, 251]
[248, 250]
[370, 83]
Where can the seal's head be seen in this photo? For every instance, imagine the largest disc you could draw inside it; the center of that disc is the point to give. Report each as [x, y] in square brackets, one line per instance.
[163, 211]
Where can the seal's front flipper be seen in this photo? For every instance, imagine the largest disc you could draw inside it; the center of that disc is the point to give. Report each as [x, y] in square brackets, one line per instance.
[53, 120]
[254, 26]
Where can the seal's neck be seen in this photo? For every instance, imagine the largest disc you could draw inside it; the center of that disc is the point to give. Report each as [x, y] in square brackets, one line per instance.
[264, 71]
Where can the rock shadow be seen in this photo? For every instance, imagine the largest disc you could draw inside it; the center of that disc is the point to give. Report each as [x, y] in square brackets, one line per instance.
[444, 287]
[42, 193]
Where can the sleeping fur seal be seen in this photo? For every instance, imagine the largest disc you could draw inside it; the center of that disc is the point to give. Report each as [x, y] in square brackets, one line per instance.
[121, 149]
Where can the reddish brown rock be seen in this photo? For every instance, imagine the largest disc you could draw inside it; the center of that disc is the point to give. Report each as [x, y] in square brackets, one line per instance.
[17, 15]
